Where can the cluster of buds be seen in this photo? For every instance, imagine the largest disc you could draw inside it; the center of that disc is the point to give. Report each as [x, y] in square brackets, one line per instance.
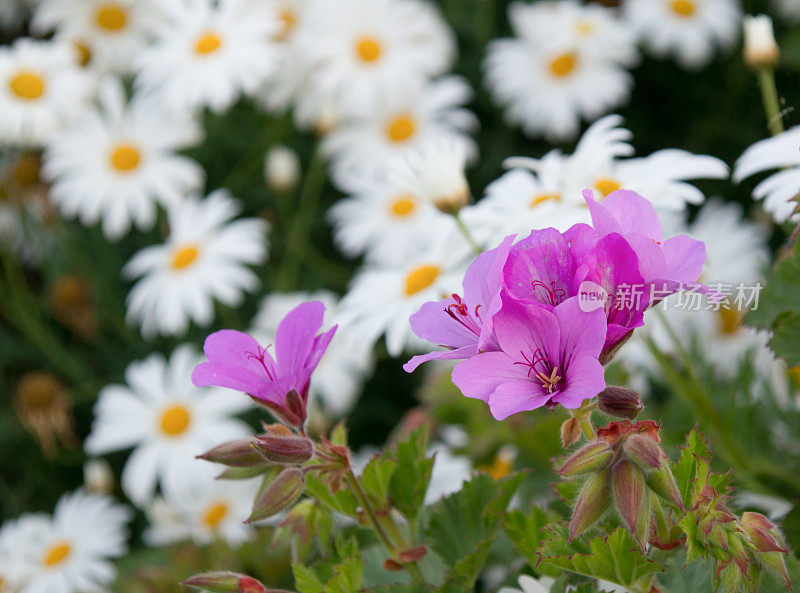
[622, 469]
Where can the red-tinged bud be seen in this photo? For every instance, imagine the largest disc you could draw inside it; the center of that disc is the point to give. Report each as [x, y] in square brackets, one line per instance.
[737, 551]
[644, 451]
[250, 585]
[570, 432]
[238, 453]
[719, 537]
[243, 473]
[393, 565]
[775, 563]
[284, 490]
[284, 450]
[764, 534]
[593, 501]
[228, 582]
[414, 554]
[619, 402]
[588, 459]
[631, 499]
[662, 482]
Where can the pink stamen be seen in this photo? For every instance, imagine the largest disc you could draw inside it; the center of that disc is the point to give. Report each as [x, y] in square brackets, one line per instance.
[553, 294]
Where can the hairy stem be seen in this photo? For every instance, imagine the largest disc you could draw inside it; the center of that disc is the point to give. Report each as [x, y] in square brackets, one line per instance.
[769, 96]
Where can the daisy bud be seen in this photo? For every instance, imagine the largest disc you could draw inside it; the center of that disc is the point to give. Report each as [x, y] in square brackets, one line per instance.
[281, 169]
[663, 483]
[619, 402]
[570, 432]
[284, 450]
[643, 451]
[283, 491]
[238, 453]
[760, 48]
[592, 503]
[631, 499]
[98, 477]
[588, 459]
[764, 534]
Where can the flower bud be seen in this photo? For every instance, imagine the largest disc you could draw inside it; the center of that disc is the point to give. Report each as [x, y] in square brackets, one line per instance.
[570, 432]
[238, 453]
[631, 499]
[281, 169]
[619, 402]
[228, 582]
[592, 503]
[760, 47]
[775, 562]
[730, 578]
[284, 450]
[284, 490]
[663, 483]
[98, 477]
[643, 451]
[588, 459]
[764, 534]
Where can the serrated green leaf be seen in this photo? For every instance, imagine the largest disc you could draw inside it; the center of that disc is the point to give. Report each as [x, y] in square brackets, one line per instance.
[342, 501]
[376, 478]
[784, 340]
[306, 580]
[523, 531]
[692, 465]
[407, 588]
[410, 479]
[780, 296]
[616, 558]
[347, 575]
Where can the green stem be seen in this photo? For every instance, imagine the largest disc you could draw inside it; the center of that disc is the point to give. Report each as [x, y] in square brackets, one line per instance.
[467, 235]
[769, 96]
[304, 215]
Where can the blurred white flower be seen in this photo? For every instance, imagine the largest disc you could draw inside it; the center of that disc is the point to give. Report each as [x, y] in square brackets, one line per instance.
[529, 584]
[760, 47]
[119, 161]
[14, 12]
[69, 552]
[448, 474]
[165, 420]
[206, 54]
[779, 152]
[281, 168]
[206, 510]
[203, 259]
[361, 54]
[788, 9]
[566, 62]
[98, 477]
[338, 378]
[382, 296]
[362, 147]
[690, 30]
[42, 89]
[111, 31]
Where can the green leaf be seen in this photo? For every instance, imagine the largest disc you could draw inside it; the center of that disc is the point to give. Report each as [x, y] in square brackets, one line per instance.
[616, 558]
[376, 478]
[410, 479]
[342, 501]
[407, 588]
[305, 580]
[523, 531]
[692, 465]
[784, 340]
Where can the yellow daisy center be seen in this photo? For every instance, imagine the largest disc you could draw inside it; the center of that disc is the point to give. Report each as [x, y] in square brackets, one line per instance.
[501, 466]
[683, 8]
[794, 374]
[184, 256]
[111, 16]
[730, 320]
[606, 186]
[540, 198]
[288, 21]
[401, 128]
[421, 278]
[27, 85]
[125, 158]
[175, 420]
[369, 49]
[207, 43]
[56, 554]
[215, 514]
[584, 28]
[403, 205]
[564, 64]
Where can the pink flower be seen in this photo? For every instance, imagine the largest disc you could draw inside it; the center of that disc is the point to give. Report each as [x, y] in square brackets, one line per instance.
[547, 357]
[237, 361]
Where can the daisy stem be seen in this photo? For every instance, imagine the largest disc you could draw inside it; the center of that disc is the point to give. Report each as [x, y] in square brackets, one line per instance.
[769, 96]
[358, 491]
[304, 215]
[467, 235]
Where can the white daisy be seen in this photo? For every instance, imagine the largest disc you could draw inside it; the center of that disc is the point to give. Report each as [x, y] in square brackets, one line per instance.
[788, 9]
[361, 147]
[120, 160]
[448, 474]
[206, 511]
[165, 420]
[690, 30]
[548, 78]
[206, 54]
[382, 297]
[72, 551]
[777, 191]
[43, 90]
[529, 584]
[112, 31]
[340, 374]
[203, 259]
[14, 12]
[363, 53]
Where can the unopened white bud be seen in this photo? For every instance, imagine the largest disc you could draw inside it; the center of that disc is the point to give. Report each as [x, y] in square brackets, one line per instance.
[760, 47]
[98, 477]
[281, 169]
[327, 119]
